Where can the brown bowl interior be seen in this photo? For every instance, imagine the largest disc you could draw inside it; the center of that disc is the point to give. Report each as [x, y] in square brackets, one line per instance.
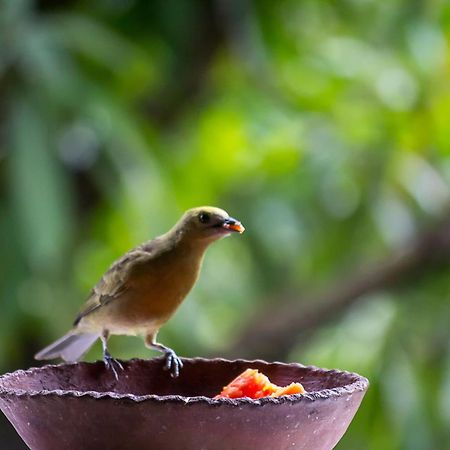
[141, 378]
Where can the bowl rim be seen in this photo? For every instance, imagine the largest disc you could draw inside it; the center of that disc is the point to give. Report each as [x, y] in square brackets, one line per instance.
[360, 384]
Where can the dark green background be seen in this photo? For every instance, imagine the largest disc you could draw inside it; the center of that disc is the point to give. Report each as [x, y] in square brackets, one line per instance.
[324, 126]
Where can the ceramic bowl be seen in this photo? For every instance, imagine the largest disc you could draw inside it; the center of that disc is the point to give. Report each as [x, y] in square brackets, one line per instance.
[82, 406]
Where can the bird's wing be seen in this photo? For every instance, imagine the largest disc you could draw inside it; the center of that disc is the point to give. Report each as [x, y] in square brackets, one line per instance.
[115, 281]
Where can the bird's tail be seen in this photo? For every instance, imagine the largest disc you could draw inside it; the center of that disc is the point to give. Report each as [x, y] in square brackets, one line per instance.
[71, 347]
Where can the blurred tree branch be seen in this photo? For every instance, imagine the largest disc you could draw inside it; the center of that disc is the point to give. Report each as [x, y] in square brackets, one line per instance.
[272, 334]
[188, 77]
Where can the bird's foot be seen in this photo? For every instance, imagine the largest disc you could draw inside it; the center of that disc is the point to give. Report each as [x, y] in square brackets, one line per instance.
[112, 364]
[173, 363]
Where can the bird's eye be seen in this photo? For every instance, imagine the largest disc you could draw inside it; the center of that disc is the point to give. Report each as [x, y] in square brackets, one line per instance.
[204, 217]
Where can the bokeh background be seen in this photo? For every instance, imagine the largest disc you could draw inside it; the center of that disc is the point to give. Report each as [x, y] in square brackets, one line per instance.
[324, 126]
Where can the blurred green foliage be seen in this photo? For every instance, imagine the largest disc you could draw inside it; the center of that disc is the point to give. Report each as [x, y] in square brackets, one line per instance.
[322, 125]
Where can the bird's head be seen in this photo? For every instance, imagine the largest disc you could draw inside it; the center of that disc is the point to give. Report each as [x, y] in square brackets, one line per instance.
[207, 223]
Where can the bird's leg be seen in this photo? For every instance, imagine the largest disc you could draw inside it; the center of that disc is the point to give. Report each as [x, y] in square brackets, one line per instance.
[109, 361]
[173, 362]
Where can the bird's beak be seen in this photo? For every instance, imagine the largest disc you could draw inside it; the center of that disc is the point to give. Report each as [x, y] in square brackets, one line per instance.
[233, 225]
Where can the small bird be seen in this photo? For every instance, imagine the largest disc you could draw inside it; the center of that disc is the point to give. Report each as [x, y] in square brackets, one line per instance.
[142, 289]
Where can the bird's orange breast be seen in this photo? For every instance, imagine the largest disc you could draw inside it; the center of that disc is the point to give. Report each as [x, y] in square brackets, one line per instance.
[155, 292]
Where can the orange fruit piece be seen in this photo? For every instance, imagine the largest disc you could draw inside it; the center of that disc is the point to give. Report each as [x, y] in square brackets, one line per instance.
[254, 384]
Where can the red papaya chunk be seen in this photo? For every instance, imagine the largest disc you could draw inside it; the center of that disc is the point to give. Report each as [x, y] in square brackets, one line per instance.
[253, 384]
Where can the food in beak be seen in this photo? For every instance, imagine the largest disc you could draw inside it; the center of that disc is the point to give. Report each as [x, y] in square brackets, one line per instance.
[233, 225]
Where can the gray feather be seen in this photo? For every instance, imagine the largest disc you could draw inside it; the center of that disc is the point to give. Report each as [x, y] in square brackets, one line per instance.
[71, 347]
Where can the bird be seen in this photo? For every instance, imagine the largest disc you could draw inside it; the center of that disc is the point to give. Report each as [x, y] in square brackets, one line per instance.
[142, 289]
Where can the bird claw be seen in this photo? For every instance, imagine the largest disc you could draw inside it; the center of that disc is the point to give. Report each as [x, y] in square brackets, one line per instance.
[173, 363]
[113, 365]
